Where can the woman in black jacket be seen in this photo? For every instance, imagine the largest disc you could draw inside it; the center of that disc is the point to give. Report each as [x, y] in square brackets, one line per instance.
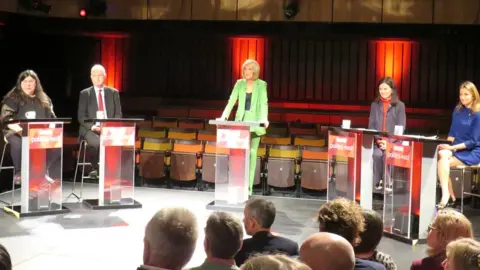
[26, 100]
[386, 112]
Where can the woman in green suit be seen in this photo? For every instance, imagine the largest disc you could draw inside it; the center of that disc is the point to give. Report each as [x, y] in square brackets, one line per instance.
[251, 93]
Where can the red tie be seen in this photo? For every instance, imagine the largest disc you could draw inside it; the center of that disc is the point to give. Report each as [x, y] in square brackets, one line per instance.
[100, 100]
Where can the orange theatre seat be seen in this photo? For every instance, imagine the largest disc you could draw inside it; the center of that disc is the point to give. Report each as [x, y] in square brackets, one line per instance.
[283, 167]
[182, 134]
[211, 156]
[185, 161]
[154, 158]
[207, 135]
[195, 123]
[276, 139]
[166, 122]
[210, 127]
[297, 128]
[314, 168]
[309, 140]
[152, 132]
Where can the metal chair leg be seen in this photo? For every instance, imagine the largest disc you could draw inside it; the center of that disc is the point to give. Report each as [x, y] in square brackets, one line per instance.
[463, 188]
[83, 146]
[8, 168]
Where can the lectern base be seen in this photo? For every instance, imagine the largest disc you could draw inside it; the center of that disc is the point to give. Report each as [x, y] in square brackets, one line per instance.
[225, 206]
[127, 204]
[403, 239]
[16, 211]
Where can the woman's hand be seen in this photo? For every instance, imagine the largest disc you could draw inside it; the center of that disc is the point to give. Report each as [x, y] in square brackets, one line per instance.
[15, 127]
[382, 144]
[446, 147]
[266, 123]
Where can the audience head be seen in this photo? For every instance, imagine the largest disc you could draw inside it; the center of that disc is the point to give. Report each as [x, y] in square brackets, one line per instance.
[370, 238]
[462, 254]
[327, 251]
[387, 90]
[223, 236]
[98, 75]
[469, 96]
[259, 214]
[250, 70]
[446, 227]
[343, 217]
[273, 262]
[170, 238]
[5, 260]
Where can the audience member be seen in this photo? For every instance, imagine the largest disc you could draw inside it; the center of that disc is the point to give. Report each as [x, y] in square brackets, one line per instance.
[327, 251]
[223, 239]
[345, 218]
[370, 238]
[259, 215]
[462, 254]
[273, 262]
[5, 260]
[446, 227]
[170, 239]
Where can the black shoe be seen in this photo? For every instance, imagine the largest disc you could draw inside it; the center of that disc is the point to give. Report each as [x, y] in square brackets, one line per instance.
[93, 174]
[379, 185]
[453, 203]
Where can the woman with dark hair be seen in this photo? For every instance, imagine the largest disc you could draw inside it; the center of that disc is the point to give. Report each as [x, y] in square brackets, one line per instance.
[26, 100]
[386, 112]
[465, 137]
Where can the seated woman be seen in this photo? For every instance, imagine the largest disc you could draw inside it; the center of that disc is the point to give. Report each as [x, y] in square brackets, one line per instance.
[465, 136]
[448, 226]
[386, 112]
[370, 238]
[462, 254]
[26, 100]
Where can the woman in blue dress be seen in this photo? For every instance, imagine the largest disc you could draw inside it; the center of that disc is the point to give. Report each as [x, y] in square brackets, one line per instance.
[465, 137]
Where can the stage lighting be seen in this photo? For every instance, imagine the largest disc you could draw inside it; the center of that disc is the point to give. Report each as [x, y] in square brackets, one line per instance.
[37, 5]
[94, 8]
[291, 8]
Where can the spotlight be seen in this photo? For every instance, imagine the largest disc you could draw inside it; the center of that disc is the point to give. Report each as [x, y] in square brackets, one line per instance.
[94, 8]
[37, 5]
[291, 8]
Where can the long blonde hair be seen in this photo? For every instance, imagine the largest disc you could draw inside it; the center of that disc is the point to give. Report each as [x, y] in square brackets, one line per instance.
[464, 254]
[470, 87]
[450, 225]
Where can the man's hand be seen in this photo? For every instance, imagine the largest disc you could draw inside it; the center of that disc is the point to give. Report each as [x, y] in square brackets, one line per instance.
[96, 129]
[266, 124]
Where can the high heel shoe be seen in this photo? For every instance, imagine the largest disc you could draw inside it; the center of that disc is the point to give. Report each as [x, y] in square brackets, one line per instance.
[453, 203]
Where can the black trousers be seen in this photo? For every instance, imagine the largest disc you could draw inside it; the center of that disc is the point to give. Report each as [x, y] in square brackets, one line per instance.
[93, 145]
[53, 156]
[378, 164]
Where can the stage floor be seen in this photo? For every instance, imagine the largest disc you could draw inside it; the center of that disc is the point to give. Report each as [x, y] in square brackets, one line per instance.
[113, 239]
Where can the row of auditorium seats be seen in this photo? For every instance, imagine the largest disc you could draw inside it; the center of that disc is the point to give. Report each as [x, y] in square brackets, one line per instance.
[185, 150]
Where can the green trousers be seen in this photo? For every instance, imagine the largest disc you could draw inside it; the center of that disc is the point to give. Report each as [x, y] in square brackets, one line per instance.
[254, 142]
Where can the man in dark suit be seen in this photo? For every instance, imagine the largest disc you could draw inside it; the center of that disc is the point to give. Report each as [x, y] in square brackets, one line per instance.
[101, 99]
[259, 215]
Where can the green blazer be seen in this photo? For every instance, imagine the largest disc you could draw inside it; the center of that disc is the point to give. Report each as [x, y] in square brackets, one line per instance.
[258, 107]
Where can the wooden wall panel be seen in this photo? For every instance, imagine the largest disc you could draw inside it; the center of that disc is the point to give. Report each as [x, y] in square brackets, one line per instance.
[64, 8]
[357, 11]
[456, 12]
[407, 11]
[169, 10]
[8, 5]
[259, 10]
[136, 9]
[214, 10]
[320, 10]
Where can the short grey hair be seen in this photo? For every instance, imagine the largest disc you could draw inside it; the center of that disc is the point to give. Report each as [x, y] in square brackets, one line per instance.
[224, 234]
[256, 68]
[262, 211]
[99, 67]
[172, 235]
